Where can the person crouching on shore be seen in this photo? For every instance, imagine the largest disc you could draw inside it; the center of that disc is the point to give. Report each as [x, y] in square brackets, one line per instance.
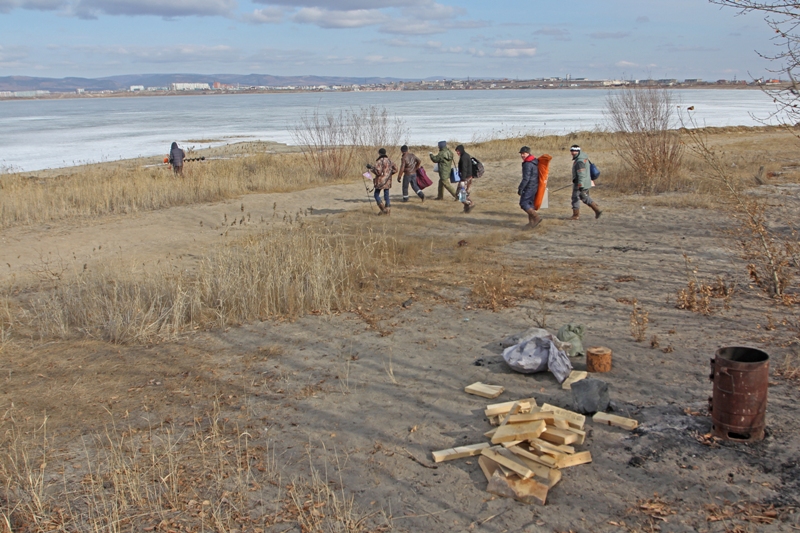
[176, 156]
[383, 170]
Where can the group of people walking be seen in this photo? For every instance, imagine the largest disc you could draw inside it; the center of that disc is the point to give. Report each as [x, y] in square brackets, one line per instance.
[409, 173]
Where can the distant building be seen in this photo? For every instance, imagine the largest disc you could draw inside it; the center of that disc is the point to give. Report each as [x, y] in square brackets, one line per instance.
[28, 94]
[157, 89]
[189, 87]
[137, 88]
[692, 80]
[6, 94]
[79, 91]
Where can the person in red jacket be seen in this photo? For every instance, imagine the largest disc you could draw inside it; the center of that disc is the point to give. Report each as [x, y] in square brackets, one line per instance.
[529, 186]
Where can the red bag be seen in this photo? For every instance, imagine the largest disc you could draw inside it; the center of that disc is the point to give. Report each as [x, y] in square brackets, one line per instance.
[422, 178]
[544, 170]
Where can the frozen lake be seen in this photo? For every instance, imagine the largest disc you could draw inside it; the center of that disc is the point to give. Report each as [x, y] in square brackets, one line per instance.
[38, 134]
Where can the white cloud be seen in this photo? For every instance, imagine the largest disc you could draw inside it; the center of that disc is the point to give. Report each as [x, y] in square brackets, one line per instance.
[609, 35]
[268, 15]
[625, 64]
[39, 5]
[177, 54]
[559, 34]
[169, 9]
[513, 48]
[12, 56]
[344, 5]
[325, 18]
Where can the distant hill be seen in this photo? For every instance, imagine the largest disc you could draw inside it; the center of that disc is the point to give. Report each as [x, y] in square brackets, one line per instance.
[112, 83]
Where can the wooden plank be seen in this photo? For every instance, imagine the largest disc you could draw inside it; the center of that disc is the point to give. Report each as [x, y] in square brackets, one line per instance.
[494, 420]
[537, 468]
[487, 466]
[576, 420]
[523, 490]
[580, 433]
[502, 408]
[575, 375]
[556, 447]
[539, 449]
[489, 434]
[552, 475]
[573, 460]
[525, 431]
[512, 443]
[484, 390]
[544, 460]
[560, 423]
[515, 466]
[547, 416]
[558, 436]
[614, 420]
[459, 452]
[514, 410]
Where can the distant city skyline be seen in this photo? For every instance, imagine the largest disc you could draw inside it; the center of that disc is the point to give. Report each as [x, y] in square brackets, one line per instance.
[615, 39]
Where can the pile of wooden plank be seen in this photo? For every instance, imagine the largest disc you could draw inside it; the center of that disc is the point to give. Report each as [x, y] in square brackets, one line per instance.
[528, 449]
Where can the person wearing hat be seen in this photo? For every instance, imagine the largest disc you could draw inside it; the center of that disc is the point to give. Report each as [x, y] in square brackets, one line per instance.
[445, 161]
[529, 186]
[581, 182]
[409, 164]
[383, 170]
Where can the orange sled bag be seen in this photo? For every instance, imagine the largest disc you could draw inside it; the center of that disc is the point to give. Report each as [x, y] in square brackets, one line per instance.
[544, 170]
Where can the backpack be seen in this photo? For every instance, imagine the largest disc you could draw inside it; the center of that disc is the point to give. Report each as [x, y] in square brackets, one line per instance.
[477, 168]
[594, 172]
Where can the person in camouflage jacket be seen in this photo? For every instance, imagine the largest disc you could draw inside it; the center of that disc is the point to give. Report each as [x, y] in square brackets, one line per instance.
[581, 182]
[445, 161]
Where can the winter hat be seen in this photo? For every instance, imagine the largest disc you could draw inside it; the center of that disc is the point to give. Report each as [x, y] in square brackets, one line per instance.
[574, 148]
[404, 148]
[442, 145]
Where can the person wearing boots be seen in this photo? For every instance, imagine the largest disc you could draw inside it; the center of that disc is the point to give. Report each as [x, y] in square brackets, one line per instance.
[529, 186]
[581, 182]
[383, 170]
[466, 172]
[409, 164]
[445, 161]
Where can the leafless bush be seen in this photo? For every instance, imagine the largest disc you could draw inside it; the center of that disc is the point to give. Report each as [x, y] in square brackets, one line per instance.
[698, 296]
[639, 320]
[770, 256]
[648, 144]
[335, 144]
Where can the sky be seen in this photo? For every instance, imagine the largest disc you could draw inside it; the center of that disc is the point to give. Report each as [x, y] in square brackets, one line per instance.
[596, 39]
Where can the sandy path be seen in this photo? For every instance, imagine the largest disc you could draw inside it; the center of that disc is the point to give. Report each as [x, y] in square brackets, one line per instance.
[153, 235]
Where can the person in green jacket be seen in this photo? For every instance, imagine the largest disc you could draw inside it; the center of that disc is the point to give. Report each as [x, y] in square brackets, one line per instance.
[581, 182]
[445, 161]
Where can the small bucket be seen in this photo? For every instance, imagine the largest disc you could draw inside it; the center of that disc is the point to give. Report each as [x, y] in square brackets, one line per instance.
[598, 359]
[739, 404]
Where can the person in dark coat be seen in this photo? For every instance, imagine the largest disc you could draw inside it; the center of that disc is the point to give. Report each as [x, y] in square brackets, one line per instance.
[529, 186]
[409, 164]
[176, 156]
[467, 172]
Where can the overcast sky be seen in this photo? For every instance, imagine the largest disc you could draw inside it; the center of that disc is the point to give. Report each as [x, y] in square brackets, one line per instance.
[400, 38]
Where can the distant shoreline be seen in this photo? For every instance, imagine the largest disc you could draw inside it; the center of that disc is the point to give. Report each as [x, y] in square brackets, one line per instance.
[220, 92]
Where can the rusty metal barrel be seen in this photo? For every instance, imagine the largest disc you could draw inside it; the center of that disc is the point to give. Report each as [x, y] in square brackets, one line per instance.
[739, 404]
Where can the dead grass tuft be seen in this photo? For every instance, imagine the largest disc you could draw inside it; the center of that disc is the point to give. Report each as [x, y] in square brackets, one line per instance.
[699, 296]
[639, 320]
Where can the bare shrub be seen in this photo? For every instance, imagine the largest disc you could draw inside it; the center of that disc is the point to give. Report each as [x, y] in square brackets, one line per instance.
[770, 256]
[335, 144]
[698, 296]
[647, 143]
[639, 320]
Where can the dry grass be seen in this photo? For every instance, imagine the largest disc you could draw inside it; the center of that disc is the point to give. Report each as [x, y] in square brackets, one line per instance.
[639, 320]
[208, 476]
[115, 189]
[699, 296]
[283, 273]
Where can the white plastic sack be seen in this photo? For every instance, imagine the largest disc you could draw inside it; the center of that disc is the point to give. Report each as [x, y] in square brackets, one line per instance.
[538, 351]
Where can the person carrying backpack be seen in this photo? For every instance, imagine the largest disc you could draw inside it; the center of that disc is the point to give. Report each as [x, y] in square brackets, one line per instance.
[445, 161]
[409, 164]
[529, 186]
[467, 173]
[581, 183]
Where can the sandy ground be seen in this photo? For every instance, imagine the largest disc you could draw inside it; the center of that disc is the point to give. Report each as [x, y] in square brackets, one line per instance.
[373, 399]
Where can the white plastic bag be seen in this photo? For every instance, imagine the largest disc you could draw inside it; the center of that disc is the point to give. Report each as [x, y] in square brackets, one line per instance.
[537, 351]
